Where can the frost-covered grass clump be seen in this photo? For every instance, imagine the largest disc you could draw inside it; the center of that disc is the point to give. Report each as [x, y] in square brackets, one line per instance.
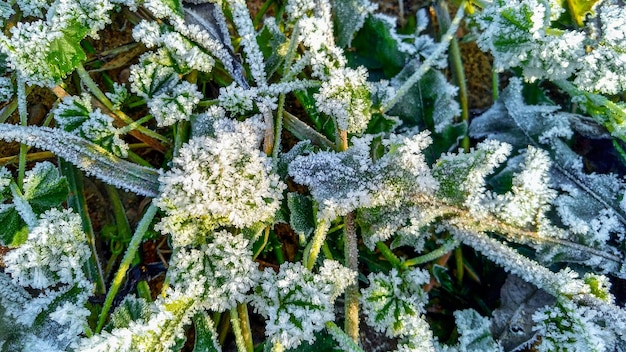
[301, 171]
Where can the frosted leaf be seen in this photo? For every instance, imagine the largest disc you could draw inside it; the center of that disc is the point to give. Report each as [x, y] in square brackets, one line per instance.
[568, 327]
[530, 196]
[510, 120]
[164, 328]
[474, 331]
[220, 181]
[297, 303]
[349, 17]
[118, 96]
[91, 15]
[431, 100]
[247, 34]
[54, 253]
[175, 105]
[393, 300]
[512, 321]
[218, 275]
[151, 77]
[27, 49]
[35, 8]
[87, 156]
[462, 176]
[346, 97]
[186, 53]
[342, 182]
[76, 115]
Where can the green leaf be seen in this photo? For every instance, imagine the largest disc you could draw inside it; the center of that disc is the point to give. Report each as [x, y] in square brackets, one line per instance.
[176, 6]
[273, 44]
[376, 48]
[348, 18]
[440, 273]
[205, 334]
[45, 188]
[13, 231]
[430, 103]
[301, 216]
[65, 52]
[577, 10]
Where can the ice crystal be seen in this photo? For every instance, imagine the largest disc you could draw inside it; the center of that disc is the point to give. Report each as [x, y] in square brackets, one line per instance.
[393, 303]
[346, 97]
[27, 50]
[169, 99]
[568, 327]
[530, 195]
[220, 181]
[76, 115]
[187, 55]
[297, 303]
[6, 89]
[472, 167]
[519, 34]
[164, 327]
[219, 274]
[89, 14]
[342, 182]
[54, 253]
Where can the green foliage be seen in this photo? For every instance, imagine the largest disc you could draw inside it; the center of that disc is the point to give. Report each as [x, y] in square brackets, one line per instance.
[376, 47]
[65, 53]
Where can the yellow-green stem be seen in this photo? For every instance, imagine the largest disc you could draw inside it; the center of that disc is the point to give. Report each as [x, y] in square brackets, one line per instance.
[234, 323]
[244, 321]
[312, 250]
[131, 251]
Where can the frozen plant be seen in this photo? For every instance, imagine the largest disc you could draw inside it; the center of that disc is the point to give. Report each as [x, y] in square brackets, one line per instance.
[304, 158]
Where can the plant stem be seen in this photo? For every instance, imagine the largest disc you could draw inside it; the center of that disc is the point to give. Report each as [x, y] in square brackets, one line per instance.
[427, 64]
[351, 255]
[344, 340]
[443, 15]
[439, 252]
[351, 324]
[131, 251]
[389, 255]
[234, 323]
[23, 112]
[244, 321]
[312, 250]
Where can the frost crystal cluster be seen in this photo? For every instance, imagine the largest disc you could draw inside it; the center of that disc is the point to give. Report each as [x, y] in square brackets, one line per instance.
[297, 302]
[219, 181]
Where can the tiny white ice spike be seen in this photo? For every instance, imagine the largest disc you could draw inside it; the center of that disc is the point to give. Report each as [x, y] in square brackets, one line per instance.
[87, 156]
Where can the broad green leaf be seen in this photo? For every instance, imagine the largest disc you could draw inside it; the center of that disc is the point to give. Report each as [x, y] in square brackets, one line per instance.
[44, 187]
[301, 216]
[376, 48]
[430, 103]
[348, 18]
[206, 339]
[13, 231]
[65, 52]
[577, 10]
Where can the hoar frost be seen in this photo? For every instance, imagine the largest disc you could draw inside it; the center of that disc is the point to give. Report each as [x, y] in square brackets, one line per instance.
[220, 181]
